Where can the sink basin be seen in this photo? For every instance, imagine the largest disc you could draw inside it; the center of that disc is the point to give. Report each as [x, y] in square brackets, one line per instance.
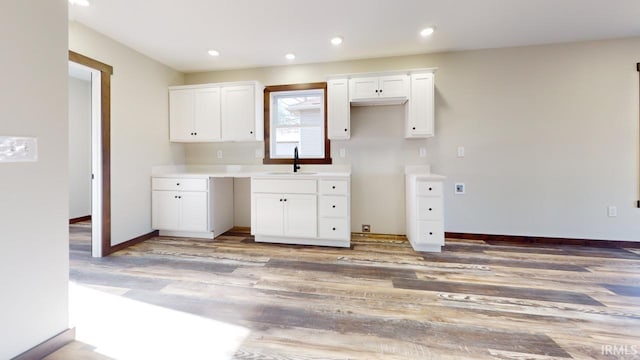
[292, 173]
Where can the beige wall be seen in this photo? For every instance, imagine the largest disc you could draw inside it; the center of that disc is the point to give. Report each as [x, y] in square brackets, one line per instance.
[139, 127]
[79, 148]
[34, 263]
[550, 132]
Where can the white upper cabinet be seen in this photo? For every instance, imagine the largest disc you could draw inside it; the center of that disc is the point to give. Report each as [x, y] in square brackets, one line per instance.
[414, 88]
[216, 112]
[338, 109]
[420, 109]
[241, 120]
[381, 89]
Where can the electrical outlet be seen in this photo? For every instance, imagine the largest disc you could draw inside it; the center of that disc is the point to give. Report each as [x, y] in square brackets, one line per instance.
[612, 211]
[460, 151]
[423, 152]
[343, 152]
[459, 188]
[219, 154]
[366, 228]
[258, 154]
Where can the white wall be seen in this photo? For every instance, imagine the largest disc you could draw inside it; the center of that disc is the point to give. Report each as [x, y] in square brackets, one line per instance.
[34, 212]
[79, 148]
[139, 127]
[551, 138]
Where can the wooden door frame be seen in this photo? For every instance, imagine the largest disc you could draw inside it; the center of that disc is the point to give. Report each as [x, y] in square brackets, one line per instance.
[105, 133]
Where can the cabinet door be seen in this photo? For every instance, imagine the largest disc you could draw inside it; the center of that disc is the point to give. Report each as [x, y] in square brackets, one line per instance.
[164, 210]
[420, 111]
[269, 214]
[193, 211]
[339, 109]
[301, 215]
[394, 86]
[181, 115]
[363, 88]
[238, 113]
[207, 114]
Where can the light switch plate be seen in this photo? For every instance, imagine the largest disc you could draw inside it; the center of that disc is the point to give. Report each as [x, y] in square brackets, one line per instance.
[460, 151]
[18, 149]
[423, 152]
[343, 152]
[219, 154]
[459, 189]
[258, 154]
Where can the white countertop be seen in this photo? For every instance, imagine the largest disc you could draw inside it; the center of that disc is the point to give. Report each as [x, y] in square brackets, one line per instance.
[422, 172]
[240, 171]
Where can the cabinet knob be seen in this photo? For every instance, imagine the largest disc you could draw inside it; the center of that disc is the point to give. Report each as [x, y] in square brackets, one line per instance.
[333, 187]
[430, 209]
[345, 129]
[285, 199]
[430, 189]
[334, 206]
[380, 90]
[250, 132]
[177, 184]
[280, 200]
[195, 133]
[179, 197]
[175, 196]
[376, 90]
[334, 229]
[430, 233]
[414, 128]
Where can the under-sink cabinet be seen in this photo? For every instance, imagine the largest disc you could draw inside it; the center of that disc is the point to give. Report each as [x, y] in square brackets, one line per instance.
[301, 210]
[193, 207]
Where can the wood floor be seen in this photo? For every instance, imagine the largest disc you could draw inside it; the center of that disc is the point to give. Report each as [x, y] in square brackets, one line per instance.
[382, 300]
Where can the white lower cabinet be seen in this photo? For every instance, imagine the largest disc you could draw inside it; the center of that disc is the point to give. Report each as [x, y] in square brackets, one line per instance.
[425, 213]
[307, 211]
[194, 207]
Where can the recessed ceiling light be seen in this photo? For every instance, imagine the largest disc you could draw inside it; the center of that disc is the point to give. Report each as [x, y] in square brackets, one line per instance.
[290, 56]
[214, 52]
[79, 2]
[427, 31]
[336, 40]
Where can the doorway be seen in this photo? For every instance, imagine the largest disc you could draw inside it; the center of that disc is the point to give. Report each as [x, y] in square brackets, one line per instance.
[97, 76]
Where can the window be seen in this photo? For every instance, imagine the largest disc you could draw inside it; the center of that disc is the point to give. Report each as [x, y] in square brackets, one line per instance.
[295, 116]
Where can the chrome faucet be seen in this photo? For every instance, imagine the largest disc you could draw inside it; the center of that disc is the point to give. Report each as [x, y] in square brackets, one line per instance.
[296, 167]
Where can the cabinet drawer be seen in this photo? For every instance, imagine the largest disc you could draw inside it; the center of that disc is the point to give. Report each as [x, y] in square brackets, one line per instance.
[334, 228]
[329, 187]
[430, 232]
[334, 206]
[429, 208]
[179, 184]
[283, 186]
[429, 188]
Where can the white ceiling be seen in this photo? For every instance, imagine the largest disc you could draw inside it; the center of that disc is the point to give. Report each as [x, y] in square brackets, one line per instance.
[254, 33]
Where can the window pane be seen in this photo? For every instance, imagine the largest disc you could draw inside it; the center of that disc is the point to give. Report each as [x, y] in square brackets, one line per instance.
[297, 120]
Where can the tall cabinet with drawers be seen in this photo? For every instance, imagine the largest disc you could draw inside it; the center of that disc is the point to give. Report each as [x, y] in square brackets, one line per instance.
[301, 209]
[425, 210]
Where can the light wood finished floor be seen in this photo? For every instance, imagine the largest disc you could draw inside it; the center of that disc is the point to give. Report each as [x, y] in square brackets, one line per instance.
[381, 299]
